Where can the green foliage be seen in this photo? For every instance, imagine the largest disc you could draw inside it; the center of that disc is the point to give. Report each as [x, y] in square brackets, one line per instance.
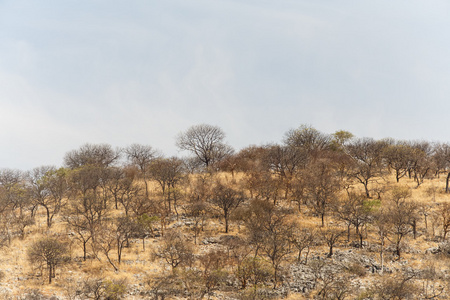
[254, 270]
[146, 221]
[371, 204]
[115, 289]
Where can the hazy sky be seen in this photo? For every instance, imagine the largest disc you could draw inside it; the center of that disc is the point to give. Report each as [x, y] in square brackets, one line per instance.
[123, 72]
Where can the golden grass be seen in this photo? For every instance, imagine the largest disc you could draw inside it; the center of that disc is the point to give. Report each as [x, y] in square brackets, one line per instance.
[19, 275]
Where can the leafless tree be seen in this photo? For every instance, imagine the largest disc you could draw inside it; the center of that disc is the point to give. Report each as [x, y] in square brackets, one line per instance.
[86, 209]
[49, 252]
[303, 239]
[309, 139]
[48, 187]
[442, 161]
[399, 287]
[226, 199]
[398, 158]
[168, 172]
[270, 231]
[285, 162]
[254, 270]
[331, 236]
[321, 186]
[174, 250]
[366, 154]
[206, 142]
[141, 156]
[102, 155]
[402, 213]
[444, 212]
[355, 210]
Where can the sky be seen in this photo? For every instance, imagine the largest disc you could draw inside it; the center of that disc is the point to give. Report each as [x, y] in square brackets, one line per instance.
[123, 72]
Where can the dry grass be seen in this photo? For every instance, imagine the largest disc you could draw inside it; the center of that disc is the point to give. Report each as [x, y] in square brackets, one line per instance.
[137, 266]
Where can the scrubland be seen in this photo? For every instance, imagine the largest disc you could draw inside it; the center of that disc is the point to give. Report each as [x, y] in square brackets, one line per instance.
[332, 218]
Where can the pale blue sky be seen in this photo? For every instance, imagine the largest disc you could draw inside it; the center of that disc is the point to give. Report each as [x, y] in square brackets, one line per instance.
[123, 72]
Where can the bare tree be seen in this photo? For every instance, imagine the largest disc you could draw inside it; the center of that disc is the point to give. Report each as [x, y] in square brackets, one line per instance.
[355, 210]
[113, 236]
[86, 208]
[444, 212]
[174, 250]
[367, 158]
[285, 162]
[398, 158]
[48, 251]
[402, 211]
[226, 199]
[331, 236]
[399, 287]
[205, 142]
[48, 187]
[309, 139]
[92, 154]
[168, 172]
[270, 232]
[321, 186]
[141, 156]
[303, 239]
[442, 160]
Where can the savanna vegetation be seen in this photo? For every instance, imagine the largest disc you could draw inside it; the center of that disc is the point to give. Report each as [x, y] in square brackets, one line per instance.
[318, 216]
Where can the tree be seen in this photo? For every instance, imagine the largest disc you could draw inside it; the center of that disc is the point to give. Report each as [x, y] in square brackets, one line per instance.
[366, 154]
[168, 172]
[86, 209]
[174, 250]
[101, 288]
[270, 231]
[254, 270]
[308, 138]
[102, 155]
[382, 228]
[340, 139]
[303, 239]
[48, 187]
[321, 186]
[402, 215]
[444, 211]
[285, 162]
[205, 142]
[398, 158]
[398, 287]
[48, 251]
[331, 236]
[421, 162]
[354, 210]
[197, 210]
[14, 191]
[141, 156]
[114, 234]
[227, 200]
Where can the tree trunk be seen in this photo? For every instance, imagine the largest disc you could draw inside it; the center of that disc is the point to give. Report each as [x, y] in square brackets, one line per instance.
[446, 182]
[49, 273]
[84, 250]
[49, 221]
[330, 253]
[381, 253]
[366, 188]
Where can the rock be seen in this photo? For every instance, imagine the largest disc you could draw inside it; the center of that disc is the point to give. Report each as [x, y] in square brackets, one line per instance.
[433, 250]
[209, 240]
